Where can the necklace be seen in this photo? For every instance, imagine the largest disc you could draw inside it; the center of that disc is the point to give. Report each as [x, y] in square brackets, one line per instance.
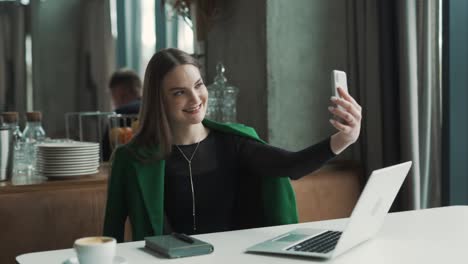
[189, 161]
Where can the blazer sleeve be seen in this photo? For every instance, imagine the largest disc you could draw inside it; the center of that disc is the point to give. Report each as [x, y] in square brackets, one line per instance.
[116, 207]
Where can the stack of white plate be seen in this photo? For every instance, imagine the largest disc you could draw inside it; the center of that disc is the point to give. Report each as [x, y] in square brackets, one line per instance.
[65, 159]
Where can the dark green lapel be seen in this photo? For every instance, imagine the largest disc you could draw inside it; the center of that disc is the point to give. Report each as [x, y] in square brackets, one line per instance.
[238, 129]
[150, 177]
[151, 180]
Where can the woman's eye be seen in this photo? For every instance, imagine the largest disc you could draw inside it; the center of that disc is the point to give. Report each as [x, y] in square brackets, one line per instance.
[198, 85]
[178, 93]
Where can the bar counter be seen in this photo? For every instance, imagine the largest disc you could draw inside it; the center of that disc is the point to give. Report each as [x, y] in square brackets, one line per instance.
[40, 214]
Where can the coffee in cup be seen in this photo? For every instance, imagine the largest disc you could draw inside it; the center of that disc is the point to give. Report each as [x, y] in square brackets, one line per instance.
[98, 249]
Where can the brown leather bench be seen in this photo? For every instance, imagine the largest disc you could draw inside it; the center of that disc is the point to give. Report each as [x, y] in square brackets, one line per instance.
[329, 193]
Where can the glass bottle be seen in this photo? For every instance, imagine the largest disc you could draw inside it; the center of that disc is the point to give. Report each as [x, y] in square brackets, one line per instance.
[228, 95]
[224, 99]
[33, 134]
[214, 97]
[20, 161]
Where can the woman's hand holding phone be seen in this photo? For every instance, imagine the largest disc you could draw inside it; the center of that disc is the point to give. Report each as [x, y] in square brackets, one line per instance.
[347, 116]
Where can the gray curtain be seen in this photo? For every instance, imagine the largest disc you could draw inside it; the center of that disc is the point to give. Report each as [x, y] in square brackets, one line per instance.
[73, 57]
[12, 57]
[97, 56]
[129, 34]
[395, 69]
[430, 100]
[97, 62]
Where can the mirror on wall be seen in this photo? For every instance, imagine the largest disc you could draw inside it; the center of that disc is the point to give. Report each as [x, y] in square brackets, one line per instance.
[56, 56]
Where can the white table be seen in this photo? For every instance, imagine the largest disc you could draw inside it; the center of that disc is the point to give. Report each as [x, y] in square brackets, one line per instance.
[438, 235]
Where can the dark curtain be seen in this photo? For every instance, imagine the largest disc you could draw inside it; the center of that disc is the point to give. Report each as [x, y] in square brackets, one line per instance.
[394, 71]
[12, 57]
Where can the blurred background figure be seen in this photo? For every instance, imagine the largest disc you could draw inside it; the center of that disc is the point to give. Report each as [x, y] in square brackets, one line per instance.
[125, 87]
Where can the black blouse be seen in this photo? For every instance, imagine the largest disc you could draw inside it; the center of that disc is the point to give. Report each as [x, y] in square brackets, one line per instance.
[217, 165]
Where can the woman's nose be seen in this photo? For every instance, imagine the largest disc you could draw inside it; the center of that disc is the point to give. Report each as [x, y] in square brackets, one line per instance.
[194, 97]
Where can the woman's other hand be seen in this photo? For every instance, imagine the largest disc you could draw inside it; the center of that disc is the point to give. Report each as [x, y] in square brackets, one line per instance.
[347, 120]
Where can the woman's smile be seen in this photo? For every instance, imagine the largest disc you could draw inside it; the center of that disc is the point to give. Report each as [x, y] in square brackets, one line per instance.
[193, 110]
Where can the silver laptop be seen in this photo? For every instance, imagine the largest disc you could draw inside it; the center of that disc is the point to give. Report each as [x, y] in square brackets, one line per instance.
[365, 221]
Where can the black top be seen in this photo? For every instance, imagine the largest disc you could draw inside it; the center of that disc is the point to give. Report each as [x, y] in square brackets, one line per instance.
[219, 162]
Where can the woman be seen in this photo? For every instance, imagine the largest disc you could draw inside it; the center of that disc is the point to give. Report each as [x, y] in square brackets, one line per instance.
[185, 173]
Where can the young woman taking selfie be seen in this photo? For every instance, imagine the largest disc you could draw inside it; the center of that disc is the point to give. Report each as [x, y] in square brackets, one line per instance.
[184, 173]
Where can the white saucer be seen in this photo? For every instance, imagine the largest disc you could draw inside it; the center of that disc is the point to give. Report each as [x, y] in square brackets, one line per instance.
[117, 260]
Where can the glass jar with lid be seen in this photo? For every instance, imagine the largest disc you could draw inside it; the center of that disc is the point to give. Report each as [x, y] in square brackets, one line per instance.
[222, 102]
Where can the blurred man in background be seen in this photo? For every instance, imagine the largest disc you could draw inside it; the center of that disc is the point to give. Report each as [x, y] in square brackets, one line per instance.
[125, 87]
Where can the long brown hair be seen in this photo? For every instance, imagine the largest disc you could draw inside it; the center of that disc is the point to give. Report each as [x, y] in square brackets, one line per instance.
[154, 126]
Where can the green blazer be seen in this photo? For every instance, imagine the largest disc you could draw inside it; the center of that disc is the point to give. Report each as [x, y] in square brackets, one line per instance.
[136, 190]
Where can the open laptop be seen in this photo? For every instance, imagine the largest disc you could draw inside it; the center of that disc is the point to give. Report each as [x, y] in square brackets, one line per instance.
[365, 221]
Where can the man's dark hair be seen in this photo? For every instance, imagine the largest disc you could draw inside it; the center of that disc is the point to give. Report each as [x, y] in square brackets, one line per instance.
[126, 78]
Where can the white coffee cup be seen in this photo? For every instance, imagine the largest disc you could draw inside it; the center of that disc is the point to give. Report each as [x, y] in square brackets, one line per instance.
[98, 249]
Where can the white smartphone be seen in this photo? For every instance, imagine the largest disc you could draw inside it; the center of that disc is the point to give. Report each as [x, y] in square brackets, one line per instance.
[338, 80]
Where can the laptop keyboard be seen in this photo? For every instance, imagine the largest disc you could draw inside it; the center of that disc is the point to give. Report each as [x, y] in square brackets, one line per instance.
[322, 243]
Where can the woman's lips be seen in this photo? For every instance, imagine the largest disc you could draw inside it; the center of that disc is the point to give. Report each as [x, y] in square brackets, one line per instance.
[193, 110]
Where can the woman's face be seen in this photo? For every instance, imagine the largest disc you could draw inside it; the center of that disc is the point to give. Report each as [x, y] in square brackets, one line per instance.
[185, 95]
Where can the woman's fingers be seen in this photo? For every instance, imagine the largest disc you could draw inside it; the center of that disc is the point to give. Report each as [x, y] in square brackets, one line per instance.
[347, 106]
[348, 97]
[349, 118]
[340, 126]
